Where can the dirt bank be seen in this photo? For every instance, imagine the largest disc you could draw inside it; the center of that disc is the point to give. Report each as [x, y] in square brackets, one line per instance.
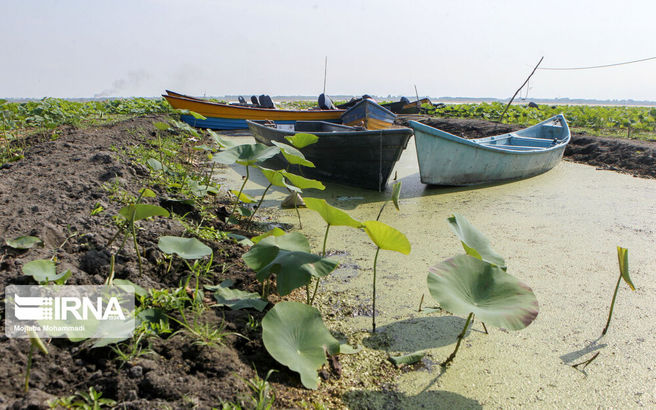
[51, 194]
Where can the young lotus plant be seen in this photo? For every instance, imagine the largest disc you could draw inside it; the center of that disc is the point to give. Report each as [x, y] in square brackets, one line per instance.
[285, 179]
[288, 257]
[623, 258]
[187, 249]
[333, 217]
[467, 286]
[388, 238]
[132, 213]
[247, 155]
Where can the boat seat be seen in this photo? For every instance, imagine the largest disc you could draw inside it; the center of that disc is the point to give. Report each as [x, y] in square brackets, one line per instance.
[265, 101]
[325, 103]
[254, 100]
[241, 100]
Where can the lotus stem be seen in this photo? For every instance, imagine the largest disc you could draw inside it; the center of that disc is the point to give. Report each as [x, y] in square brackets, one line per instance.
[485, 328]
[381, 210]
[136, 248]
[323, 254]
[248, 224]
[234, 208]
[421, 302]
[460, 337]
[29, 367]
[612, 304]
[373, 316]
[298, 214]
[110, 279]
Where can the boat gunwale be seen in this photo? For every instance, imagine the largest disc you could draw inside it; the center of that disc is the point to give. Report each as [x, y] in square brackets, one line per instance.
[240, 107]
[474, 143]
[345, 133]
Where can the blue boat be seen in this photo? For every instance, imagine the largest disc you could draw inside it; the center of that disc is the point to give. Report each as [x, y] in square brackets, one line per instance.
[368, 114]
[445, 159]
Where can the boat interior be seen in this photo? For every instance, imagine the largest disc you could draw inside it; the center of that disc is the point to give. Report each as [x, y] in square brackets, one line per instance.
[535, 138]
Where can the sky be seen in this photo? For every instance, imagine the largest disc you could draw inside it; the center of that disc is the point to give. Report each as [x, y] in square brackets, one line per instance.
[123, 48]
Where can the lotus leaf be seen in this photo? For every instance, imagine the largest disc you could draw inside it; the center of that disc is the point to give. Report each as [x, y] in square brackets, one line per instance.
[24, 242]
[246, 154]
[186, 248]
[396, 193]
[386, 237]
[292, 155]
[330, 214]
[142, 211]
[302, 182]
[43, 270]
[623, 257]
[288, 257]
[474, 242]
[465, 284]
[302, 140]
[238, 299]
[294, 334]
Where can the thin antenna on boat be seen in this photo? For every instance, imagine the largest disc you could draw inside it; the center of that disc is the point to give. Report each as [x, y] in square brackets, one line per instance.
[416, 93]
[325, 73]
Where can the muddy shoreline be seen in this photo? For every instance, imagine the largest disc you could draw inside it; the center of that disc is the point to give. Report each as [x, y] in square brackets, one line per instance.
[51, 193]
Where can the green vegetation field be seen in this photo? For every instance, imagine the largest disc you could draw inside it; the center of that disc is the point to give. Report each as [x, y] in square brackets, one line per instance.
[20, 119]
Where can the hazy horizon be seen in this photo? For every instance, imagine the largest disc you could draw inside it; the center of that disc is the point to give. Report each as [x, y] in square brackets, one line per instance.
[78, 49]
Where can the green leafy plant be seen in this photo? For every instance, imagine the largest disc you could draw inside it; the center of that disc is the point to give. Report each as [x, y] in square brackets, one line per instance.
[294, 334]
[24, 242]
[246, 155]
[263, 396]
[236, 299]
[132, 213]
[91, 400]
[465, 285]
[333, 217]
[187, 249]
[623, 259]
[288, 257]
[388, 238]
[44, 271]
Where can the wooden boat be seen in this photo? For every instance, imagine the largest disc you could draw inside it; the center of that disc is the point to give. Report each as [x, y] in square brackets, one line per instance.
[445, 159]
[233, 117]
[368, 114]
[405, 106]
[343, 154]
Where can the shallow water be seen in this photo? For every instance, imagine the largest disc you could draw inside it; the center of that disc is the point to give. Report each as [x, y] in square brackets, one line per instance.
[558, 232]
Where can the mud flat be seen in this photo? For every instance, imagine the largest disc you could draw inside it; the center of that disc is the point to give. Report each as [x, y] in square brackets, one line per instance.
[558, 232]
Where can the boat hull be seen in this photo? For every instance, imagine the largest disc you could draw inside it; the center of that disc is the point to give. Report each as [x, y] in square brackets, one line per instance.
[358, 158]
[445, 159]
[231, 117]
[369, 115]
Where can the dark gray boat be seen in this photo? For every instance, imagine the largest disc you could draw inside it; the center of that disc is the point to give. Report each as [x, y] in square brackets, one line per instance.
[343, 154]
